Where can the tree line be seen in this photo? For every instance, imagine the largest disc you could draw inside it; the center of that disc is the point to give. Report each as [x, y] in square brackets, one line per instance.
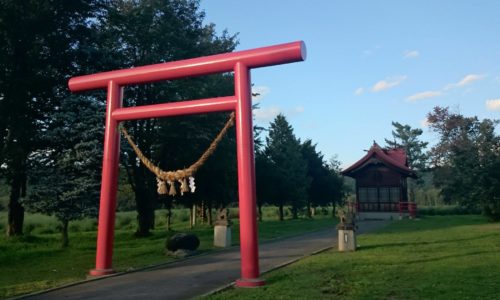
[464, 164]
[51, 140]
[294, 173]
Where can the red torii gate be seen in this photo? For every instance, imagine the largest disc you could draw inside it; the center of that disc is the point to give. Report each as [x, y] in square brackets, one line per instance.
[240, 62]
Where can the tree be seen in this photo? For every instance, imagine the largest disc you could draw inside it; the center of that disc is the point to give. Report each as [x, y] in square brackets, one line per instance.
[40, 44]
[466, 160]
[284, 152]
[137, 33]
[407, 138]
[265, 178]
[263, 171]
[323, 189]
[337, 188]
[65, 175]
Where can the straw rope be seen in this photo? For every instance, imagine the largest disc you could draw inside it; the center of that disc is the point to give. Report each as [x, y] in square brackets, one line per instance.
[179, 175]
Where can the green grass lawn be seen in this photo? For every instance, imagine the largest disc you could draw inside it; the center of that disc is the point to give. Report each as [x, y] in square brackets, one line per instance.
[36, 261]
[437, 257]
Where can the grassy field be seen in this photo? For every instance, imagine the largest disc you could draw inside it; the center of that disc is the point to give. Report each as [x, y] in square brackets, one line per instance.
[36, 261]
[437, 257]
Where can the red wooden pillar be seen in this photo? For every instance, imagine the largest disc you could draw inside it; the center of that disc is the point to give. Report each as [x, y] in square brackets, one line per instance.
[109, 185]
[246, 179]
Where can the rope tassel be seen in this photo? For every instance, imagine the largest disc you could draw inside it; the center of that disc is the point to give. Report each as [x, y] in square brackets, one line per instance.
[184, 186]
[162, 186]
[173, 191]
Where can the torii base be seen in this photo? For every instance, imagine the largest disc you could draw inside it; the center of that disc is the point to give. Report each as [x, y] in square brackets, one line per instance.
[101, 272]
[249, 283]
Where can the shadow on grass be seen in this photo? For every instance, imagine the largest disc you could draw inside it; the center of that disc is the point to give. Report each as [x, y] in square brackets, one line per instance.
[31, 239]
[444, 257]
[406, 244]
[432, 223]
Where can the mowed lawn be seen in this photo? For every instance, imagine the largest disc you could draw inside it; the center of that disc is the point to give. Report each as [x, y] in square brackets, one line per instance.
[36, 261]
[438, 257]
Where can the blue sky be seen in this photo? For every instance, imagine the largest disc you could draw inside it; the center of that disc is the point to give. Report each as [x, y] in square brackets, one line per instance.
[369, 63]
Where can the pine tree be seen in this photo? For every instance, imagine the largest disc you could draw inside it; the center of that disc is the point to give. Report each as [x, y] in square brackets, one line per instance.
[326, 185]
[290, 168]
[65, 175]
[407, 138]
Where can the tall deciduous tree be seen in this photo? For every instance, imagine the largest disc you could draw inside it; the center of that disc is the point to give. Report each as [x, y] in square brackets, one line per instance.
[467, 160]
[39, 49]
[138, 33]
[289, 167]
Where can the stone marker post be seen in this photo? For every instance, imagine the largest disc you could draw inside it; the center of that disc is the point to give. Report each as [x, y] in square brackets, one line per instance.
[222, 229]
[346, 232]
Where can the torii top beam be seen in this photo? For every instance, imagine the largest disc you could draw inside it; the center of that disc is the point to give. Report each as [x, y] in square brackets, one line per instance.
[255, 58]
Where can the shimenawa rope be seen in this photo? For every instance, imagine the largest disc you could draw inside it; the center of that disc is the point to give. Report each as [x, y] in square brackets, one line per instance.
[180, 176]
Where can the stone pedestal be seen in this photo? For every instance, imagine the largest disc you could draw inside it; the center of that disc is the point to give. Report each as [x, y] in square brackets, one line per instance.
[222, 236]
[347, 240]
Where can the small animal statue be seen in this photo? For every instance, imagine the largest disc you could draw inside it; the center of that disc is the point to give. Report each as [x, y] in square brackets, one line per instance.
[223, 217]
[346, 219]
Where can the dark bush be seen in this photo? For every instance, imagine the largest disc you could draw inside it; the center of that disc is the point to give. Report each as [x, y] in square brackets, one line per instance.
[186, 241]
[448, 210]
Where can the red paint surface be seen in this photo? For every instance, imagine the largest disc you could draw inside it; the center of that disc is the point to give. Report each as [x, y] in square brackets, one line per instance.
[246, 176]
[109, 185]
[175, 108]
[255, 58]
[391, 158]
[240, 62]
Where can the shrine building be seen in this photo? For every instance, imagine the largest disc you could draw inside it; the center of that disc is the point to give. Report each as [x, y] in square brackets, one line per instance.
[381, 184]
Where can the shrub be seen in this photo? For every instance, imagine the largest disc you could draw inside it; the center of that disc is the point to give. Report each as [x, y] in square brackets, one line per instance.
[447, 210]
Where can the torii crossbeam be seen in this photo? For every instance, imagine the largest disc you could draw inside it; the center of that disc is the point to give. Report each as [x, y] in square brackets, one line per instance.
[238, 62]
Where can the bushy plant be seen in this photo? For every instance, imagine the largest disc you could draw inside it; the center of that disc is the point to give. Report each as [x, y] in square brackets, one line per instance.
[448, 210]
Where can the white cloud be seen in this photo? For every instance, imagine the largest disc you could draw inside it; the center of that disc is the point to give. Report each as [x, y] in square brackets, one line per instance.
[266, 114]
[424, 95]
[359, 91]
[465, 81]
[388, 83]
[410, 54]
[468, 79]
[261, 92]
[493, 104]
